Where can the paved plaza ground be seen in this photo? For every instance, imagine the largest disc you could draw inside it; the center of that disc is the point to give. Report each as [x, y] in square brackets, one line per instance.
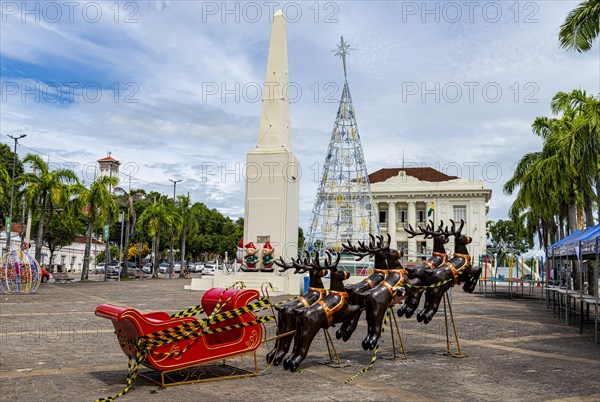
[53, 347]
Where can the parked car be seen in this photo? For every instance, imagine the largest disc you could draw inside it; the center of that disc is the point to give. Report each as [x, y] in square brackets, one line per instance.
[45, 276]
[147, 269]
[113, 271]
[99, 269]
[163, 268]
[198, 267]
[209, 268]
[177, 267]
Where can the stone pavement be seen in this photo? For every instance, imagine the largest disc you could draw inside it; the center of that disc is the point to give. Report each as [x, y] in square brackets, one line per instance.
[53, 347]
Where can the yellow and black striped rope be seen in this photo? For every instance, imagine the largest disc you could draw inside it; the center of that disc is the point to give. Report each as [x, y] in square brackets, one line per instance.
[183, 330]
[133, 366]
[197, 310]
[259, 320]
[375, 352]
[155, 342]
[190, 312]
[214, 331]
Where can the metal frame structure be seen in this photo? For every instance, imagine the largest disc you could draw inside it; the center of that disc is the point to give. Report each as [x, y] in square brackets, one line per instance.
[343, 209]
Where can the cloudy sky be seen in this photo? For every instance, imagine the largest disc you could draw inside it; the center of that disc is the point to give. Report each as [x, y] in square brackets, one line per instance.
[172, 88]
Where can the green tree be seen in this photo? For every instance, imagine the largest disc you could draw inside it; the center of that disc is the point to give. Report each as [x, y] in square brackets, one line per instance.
[156, 219]
[127, 199]
[506, 234]
[44, 188]
[5, 180]
[6, 169]
[300, 238]
[557, 183]
[581, 27]
[61, 231]
[97, 204]
[188, 226]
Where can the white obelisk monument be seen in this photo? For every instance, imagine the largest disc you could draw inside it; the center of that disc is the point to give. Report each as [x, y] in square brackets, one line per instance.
[272, 170]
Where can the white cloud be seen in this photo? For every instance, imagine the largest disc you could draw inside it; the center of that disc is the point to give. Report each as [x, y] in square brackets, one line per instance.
[178, 50]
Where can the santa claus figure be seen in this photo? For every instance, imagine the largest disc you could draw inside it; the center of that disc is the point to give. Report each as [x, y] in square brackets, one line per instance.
[239, 255]
[251, 258]
[267, 253]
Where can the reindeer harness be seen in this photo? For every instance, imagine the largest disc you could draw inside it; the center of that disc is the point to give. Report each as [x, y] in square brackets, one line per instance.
[399, 282]
[320, 291]
[458, 271]
[329, 311]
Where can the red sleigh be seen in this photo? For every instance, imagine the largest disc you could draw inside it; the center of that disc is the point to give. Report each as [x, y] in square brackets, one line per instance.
[189, 353]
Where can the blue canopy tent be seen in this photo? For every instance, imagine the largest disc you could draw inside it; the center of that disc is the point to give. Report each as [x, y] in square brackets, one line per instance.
[570, 248]
[581, 248]
[553, 249]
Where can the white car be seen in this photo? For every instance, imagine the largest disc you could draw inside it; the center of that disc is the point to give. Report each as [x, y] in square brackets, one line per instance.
[163, 268]
[209, 268]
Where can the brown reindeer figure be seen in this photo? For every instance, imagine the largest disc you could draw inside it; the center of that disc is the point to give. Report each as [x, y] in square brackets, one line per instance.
[448, 275]
[439, 256]
[286, 317]
[333, 309]
[380, 250]
[378, 299]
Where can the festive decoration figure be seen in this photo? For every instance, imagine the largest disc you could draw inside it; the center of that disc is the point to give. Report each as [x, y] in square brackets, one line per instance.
[344, 206]
[267, 259]
[251, 258]
[239, 256]
[19, 273]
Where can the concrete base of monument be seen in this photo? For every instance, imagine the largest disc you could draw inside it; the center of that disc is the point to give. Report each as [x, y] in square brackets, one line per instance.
[284, 285]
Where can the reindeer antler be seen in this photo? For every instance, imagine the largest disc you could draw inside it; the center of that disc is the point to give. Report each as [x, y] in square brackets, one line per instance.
[457, 232]
[280, 262]
[363, 250]
[299, 265]
[328, 264]
[412, 232]
[430, 231]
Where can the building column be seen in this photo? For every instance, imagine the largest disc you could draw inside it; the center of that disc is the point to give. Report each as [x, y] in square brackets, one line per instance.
[429, 242]
[412, 220]
[392, 223]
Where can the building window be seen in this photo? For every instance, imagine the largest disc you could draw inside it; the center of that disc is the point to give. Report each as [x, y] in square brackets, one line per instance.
[402, 217]
[460, 212]
[383, 218]
[421, 216]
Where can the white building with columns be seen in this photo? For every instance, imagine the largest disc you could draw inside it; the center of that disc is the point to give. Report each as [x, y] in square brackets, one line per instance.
[404, 196]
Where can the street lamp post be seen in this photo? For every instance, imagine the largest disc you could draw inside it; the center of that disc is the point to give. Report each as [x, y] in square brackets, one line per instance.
[174, 193]
[12, 193]
[122, 220]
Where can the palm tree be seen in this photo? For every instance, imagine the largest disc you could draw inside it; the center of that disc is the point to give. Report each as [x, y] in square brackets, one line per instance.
[127, 199]
[43, 188]
[581, 27]
[97, 204]
[188, 225]
[580, 143]
[156, 218]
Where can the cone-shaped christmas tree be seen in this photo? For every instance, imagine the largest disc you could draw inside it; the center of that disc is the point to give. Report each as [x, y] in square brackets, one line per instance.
[343, 209]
